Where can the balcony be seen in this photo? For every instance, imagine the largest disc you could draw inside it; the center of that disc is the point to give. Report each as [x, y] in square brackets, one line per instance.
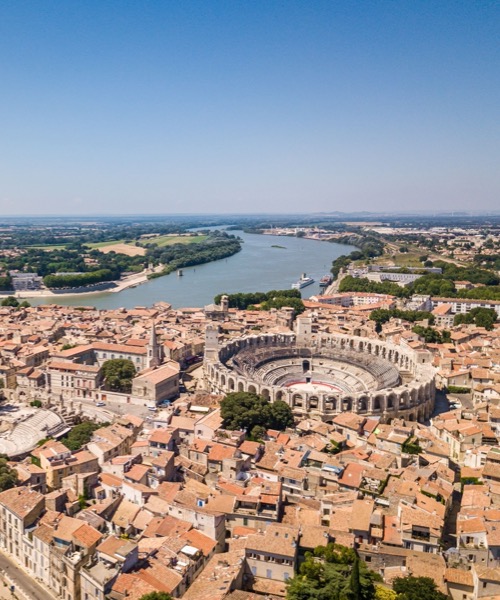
[421, 536]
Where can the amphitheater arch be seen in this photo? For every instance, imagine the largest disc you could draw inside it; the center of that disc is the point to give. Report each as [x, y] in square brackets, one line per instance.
[347, 404]
[362, 404]
[421, 393]
[331, 403]
[369, 383]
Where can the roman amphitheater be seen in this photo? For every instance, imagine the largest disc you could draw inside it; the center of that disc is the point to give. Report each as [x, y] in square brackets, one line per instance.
[321, 375]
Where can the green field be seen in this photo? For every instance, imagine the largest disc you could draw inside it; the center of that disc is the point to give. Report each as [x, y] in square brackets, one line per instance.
[170, 240]
[98, 245]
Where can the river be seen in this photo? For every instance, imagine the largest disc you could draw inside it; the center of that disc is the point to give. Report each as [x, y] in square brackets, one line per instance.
[257, 268]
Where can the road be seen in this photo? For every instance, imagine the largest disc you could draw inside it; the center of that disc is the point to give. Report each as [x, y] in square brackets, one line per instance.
[21, 580]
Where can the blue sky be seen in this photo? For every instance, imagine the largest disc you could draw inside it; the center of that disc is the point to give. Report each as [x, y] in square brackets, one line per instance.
[274, 106]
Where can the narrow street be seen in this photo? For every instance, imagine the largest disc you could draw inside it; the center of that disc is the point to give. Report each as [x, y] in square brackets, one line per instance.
[22, 581]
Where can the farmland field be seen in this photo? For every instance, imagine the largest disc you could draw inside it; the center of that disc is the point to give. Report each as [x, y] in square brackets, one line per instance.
[169, 240]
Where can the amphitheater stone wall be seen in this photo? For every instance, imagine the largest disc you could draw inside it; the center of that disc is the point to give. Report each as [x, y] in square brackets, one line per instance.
[409, 395]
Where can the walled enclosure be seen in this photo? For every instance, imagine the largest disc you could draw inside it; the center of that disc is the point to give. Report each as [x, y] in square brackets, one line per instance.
[323, 375]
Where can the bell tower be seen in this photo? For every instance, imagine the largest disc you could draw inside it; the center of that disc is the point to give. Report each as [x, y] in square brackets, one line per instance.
[154, 350]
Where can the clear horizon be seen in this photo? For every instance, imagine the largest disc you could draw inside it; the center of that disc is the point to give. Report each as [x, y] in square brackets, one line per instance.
[124, 108]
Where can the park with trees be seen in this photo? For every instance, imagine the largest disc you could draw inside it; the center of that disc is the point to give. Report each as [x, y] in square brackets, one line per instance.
[254, 414]
[118, 374]
[335, 572]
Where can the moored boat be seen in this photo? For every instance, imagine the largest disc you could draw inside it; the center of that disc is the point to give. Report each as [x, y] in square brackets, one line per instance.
[302, 282]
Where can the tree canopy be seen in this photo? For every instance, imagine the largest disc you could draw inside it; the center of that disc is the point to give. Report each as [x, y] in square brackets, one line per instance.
[383, 315]
[156, 596]
[8, 476]
[244, 300]
[482, 317]
[14, 302]
[81, 434]
[417, 588]
[332, 572]
[254, 414]
[118, 374]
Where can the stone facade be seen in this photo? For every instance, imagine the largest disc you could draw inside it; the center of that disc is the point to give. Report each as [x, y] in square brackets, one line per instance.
[357, 374]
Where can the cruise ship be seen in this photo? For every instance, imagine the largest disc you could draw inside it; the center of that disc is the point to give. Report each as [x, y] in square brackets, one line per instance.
[302, 282]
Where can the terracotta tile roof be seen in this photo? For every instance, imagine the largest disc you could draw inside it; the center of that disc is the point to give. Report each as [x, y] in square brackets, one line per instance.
[459, 577]
[20, 500]
[219, 452]
[276, 539]
[87, 536]
[199, 540]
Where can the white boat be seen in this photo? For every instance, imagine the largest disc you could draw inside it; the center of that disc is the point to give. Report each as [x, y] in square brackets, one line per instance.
[302, 282]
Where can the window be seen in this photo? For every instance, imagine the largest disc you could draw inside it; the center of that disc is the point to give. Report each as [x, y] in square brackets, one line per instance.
[269, 573]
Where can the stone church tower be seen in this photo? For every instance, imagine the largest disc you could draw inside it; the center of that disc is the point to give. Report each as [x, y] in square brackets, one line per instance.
[154, 349]
[211, 342]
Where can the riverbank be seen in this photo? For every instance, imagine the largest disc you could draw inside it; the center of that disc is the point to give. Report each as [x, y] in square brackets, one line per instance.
[256, 268]
[118, 286]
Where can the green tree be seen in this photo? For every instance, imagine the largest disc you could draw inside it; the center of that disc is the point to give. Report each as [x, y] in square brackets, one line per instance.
[383, 593]
[10, 301]
[332, 573]
[156, 596]
[257, 432]
[417, 588]
[118, 374]
[354, 592]
[8, 476]
[243, 410]
[81, 434]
